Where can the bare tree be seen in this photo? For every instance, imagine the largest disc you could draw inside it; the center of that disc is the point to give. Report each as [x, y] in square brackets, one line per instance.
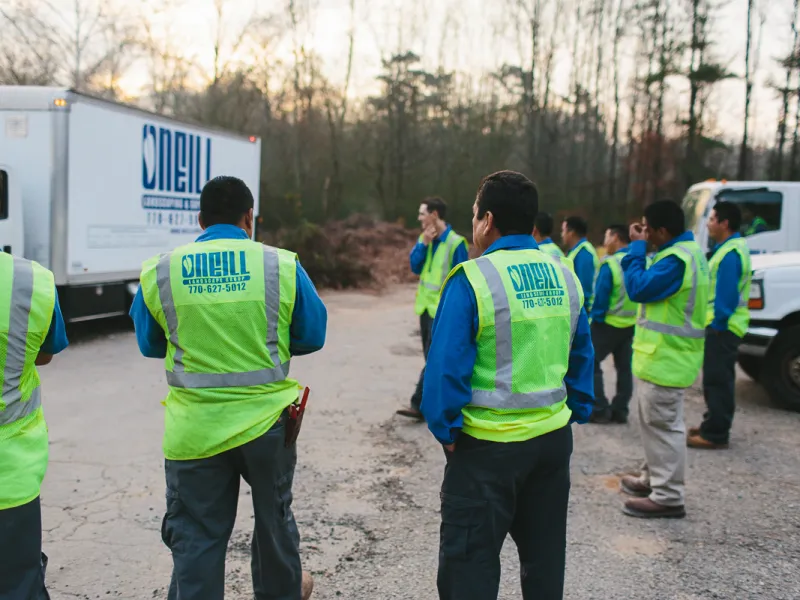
[748, 87]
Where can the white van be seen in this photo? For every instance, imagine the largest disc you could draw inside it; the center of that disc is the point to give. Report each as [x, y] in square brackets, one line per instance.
[770, 212]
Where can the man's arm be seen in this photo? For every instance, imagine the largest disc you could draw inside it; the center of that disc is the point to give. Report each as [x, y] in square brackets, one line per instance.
[580, 374]
[417, 258]
[584, 269]
[727, 299]
[660, 281]
[460, 255]
[150, 337]
[451, 360]
[309, 318]
[602, 293]
[56, 339]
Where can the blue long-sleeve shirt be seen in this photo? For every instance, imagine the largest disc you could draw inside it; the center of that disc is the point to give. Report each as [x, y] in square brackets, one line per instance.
[603, 286]
[662, 280]
[420, 251]
[729, 275]
[451, 359]
[56, 339]
[584, 269]
[309, 319]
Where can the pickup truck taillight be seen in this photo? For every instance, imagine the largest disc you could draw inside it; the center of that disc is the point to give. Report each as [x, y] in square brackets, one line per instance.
[756, 295]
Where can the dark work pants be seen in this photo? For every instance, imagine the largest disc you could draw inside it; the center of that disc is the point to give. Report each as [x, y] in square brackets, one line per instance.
[619, 343]
[719, 384]
[22, 564]
[202, 497]
[492, 489]
[425, 326]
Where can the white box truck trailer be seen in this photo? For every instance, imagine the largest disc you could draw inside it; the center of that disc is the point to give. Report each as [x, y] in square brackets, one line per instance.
[91, 188]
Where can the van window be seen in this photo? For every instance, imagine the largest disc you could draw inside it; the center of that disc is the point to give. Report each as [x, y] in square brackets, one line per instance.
[3, 195]
[694, 206]
[761, 209]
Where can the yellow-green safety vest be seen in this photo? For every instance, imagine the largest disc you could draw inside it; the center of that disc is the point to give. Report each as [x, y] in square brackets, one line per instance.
[528, 308]
[434, 273]
[589, 248]
[622, 310]
[551, 249]
[225, 307]
[670, 334]
[27, 300]
[740, 319]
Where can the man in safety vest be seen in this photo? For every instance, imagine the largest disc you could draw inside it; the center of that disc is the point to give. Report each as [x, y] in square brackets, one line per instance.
[227, 314]
[437, 251]
[667, 352]
[727, 318]
[613, 319]
[31, 332]
[510, 367]
[542, 230]
[582, 254]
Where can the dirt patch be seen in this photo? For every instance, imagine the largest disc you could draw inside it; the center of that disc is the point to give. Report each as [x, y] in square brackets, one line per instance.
[626, 545]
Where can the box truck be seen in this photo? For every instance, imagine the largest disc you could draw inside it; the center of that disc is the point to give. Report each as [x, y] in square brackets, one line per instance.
[91, 188]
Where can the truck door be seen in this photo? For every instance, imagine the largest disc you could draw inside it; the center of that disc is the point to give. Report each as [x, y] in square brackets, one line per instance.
[10, 214]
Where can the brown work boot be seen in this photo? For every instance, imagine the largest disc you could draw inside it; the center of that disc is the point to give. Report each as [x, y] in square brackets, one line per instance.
[307, 585]
[411, 413]
[644, 508]
[692, 431]
[633, 486]
[699, 442]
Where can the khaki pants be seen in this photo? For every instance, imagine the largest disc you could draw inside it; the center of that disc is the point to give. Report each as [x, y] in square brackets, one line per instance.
[663, 434]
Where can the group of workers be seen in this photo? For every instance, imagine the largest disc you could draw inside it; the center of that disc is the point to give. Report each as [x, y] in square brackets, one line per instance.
[513, 341]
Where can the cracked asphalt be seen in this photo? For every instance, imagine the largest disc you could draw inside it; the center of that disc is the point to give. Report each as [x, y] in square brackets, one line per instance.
[366, 490]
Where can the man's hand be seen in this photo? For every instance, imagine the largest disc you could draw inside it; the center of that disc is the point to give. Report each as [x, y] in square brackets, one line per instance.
[429, 234]
[450, 447]
[637, 232]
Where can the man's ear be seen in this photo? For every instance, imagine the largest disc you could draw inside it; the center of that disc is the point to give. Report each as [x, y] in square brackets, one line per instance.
[201, 221]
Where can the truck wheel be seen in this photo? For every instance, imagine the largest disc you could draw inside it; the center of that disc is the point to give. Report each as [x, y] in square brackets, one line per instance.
[781, 369]
[751, 365]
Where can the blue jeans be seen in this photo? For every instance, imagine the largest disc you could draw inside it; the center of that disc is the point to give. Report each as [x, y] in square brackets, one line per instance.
[202, 497]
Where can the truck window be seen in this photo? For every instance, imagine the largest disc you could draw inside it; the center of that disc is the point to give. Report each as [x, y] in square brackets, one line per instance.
[694, 207]
[3, 195]
[761, 209]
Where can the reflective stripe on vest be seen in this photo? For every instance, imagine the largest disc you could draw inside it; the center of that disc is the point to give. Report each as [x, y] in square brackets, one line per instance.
[502, 397]
[618, 308]
[740, 319]
[446, 247]
[687, 329]
[179, 378]
[13, 408]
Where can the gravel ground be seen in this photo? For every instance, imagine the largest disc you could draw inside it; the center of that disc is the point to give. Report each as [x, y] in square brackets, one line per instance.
[366, 491]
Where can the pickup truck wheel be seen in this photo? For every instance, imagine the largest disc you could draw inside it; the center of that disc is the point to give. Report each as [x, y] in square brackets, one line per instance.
[781, 369]
[751, 365]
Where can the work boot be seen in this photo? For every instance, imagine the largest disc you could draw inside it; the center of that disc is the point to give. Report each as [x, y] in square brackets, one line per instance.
[692, 431]
[644, 508]
[618, 417]
[307, 586]
[601, 417]
[633, 486]
[412, 413]
[699, 442]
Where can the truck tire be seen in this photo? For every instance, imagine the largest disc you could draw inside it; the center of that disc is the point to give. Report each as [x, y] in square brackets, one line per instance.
[751, 365]
[781, 369]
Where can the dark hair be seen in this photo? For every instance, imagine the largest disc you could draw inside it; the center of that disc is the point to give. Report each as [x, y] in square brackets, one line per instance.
[437, 205]
[512, 199]
[577, 224]
[621, 231]
[730, 212]
[224, 201]
[544, 224]
[667, 214]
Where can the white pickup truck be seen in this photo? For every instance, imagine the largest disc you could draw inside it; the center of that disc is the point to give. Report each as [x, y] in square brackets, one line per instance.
[770, 351]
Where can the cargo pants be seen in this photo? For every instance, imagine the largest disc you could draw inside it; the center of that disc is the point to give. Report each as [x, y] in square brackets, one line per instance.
[22, 564]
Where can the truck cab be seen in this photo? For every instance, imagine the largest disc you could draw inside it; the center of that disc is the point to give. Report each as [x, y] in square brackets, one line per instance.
[770, 351]
[770, 212]
[11, 226]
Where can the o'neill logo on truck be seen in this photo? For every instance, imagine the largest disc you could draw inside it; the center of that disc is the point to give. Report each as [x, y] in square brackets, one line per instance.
[175, 166]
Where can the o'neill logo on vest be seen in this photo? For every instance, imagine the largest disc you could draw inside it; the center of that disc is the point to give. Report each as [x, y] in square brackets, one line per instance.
[215, 268]
[537, 284]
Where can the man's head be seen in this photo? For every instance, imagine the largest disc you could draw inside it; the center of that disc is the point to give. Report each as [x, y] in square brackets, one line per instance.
[227, 201]
[506, 204]
[616, 237]
[431, 211]
[543, 226]
[573, 230]
[725, 220]
[663, 221]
